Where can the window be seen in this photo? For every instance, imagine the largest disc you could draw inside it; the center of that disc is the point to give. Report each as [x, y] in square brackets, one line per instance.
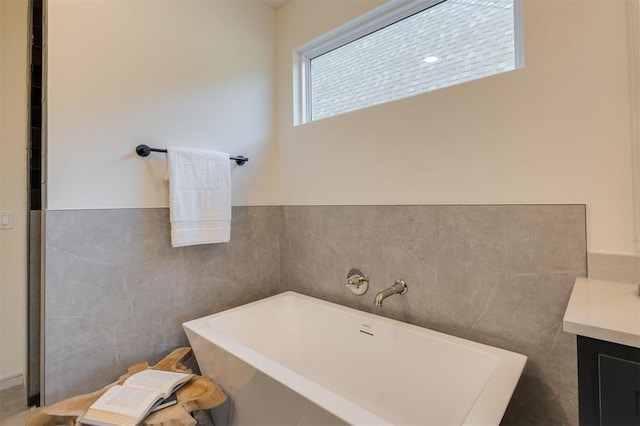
[405, 48]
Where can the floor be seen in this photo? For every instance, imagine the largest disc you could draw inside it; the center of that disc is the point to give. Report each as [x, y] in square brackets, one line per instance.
[14, 411]
[19, 419]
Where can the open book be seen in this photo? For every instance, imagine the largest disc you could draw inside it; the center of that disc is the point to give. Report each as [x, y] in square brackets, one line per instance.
[139, 395]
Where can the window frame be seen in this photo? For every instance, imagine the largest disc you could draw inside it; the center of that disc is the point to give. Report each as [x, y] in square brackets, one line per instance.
[372, 21]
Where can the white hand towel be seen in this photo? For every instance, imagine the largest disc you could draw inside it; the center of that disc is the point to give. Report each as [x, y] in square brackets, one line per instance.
[199, 196]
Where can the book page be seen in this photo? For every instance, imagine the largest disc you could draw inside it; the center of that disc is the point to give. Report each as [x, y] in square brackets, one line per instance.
[130, 401]
[157, 380]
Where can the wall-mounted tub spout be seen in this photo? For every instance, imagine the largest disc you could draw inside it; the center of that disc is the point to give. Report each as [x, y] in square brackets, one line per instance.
[400, 287]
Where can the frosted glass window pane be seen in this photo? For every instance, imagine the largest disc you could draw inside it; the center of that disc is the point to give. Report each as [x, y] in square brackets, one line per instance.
[471, 39]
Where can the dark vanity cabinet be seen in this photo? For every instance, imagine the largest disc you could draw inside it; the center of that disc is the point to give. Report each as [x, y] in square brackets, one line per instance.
[608, 383]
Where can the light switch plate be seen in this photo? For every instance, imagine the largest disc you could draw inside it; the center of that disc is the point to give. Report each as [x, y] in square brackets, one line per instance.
[6, 220]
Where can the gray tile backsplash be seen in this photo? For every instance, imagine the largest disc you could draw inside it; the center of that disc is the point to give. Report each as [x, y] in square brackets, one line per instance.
[614, 267]
[116, 291]
[35, 298]
[500, 275]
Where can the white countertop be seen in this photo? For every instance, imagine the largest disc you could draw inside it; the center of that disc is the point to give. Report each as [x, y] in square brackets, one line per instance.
[604, 310]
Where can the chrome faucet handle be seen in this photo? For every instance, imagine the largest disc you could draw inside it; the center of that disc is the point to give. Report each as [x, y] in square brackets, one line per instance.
[357, 282]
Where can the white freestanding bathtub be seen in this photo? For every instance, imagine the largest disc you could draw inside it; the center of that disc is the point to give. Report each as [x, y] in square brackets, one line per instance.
[292, 359]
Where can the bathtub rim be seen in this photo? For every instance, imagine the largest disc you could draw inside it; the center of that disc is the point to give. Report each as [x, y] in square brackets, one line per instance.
[488, 408]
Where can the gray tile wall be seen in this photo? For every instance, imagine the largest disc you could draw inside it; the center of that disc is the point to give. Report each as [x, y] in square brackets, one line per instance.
[117, 293]
[614, 267]
[500, 275]
[35, 267]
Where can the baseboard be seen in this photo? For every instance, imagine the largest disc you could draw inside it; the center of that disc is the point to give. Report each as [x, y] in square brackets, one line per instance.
[11, 381]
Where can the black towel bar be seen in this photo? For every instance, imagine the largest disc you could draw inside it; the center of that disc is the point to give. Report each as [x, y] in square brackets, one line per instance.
[145, 150]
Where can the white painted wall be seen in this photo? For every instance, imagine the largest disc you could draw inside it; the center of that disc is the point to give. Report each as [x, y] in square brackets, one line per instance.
[202, 74]
[555, 131]
[14, 32]
[190, 73]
